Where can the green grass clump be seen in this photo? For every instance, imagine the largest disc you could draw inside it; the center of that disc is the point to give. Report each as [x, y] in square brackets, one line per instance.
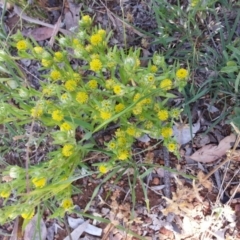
[106, 85]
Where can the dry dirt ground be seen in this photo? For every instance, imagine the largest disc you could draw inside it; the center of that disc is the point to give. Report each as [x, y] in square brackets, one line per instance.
[176, 207]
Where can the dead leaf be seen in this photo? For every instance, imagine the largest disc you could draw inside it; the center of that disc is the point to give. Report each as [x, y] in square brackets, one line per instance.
[23, 16]
[212, 152]
[182, 132]
[76, 233]
[41, 33]
[54, 32]
[206, 183]
[90, 229]
[72, 16]
[35, 229]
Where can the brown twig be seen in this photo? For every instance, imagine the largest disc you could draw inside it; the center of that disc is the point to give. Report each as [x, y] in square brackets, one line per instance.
[167, 179]
[22, 15]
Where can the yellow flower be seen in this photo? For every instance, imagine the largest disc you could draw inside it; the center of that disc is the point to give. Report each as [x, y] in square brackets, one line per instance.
[175, 113]
[131, 131]
[101, 32]
[86, 19]
[153, 68]
[121, 141]
[109, 83]
[89, 48]
[47, 90]
[95, 39]
[65, 127]
[93, 84]
[76, 42]
[166, 84]
[171, 147]
[58, 56]
[119, 107]
[137, 109]
[106, 104]
[36, 112]
[136, 97]
[103, 169]
[82, 97]
[57, 115]
[167, 132]
[95, 65]
[70, 85]
[55, 75]
[193, 3]
[111, 64]
[22, 45]
[182, 73]
[117, 89]
[28, 214]
[147, 100]
[67, 203]
[39, 182]
[46, 62]
[111, 145]
[123, 154]
[67, 150]
[64, 97]
[148, 124]
[105, 115]
[156, 107]
[95, 56]
[163, 115]
[150, 78]
[38, 50]
[5, 193]
[120, 133]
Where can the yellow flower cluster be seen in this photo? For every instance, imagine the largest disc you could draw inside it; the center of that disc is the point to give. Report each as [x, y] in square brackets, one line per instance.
[65, 127]
[111, 145]
[82, 97]
[22, 45]
[95, 65]
[38, 50]
[58, 56]
[119, 107]
[96, 39]
[103, 169]
[182, 73]
[167, 132]
[39, 182]
[57, 115]
[28, 214]
[123, 154]
[105, 115]
[67, 150]
[46, 62]
[5, 193]
[37, 112]
[70, 85]
[86, 20]
[171, 147]
[166, 84]
[55, 75]
[163, 115]
[93, 84]
[67, 203]
[117, 89]
[153, 68]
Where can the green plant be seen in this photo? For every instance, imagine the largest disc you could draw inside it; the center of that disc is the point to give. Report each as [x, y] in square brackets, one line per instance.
[107, 86]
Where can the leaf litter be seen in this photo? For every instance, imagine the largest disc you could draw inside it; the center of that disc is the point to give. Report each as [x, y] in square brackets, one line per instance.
[189, 214]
